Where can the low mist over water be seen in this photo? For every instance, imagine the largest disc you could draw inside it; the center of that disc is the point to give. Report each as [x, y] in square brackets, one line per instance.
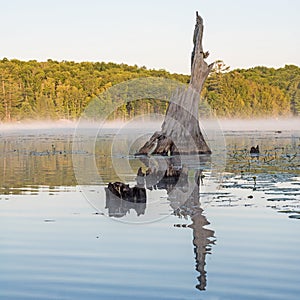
[260, 124]
[225, 124]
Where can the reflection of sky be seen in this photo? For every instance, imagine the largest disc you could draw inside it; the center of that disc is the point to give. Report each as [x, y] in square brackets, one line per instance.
[157, 34]
[81, 255]
[89, 256]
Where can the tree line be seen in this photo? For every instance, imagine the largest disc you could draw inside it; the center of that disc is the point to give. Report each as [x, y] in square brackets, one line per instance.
[63, 90]
[255, 92]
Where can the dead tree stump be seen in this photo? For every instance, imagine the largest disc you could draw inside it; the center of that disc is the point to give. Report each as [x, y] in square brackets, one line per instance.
[180, 132]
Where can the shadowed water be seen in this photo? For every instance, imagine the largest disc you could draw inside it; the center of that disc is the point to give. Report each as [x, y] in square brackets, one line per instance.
[233, 234]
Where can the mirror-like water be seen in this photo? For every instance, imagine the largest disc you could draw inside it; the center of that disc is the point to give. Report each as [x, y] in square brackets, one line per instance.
[232, 234]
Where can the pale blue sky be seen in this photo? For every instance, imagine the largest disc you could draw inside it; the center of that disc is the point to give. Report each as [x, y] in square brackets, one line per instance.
[156, 33]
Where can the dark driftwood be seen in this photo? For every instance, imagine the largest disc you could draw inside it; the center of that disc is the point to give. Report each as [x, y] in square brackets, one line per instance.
[180, 132]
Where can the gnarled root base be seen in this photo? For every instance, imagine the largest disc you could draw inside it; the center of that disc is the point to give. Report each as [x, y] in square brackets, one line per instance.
[160, 144]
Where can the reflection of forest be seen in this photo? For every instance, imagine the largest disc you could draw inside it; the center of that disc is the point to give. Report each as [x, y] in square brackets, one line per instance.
[31, 161]
[34, 160]
[184, 197]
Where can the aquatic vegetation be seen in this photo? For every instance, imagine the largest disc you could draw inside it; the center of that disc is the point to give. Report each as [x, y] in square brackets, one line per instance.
[272, 174]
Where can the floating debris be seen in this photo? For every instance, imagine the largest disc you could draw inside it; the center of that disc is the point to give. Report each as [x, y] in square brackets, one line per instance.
[254, 150]
[281, 199]
[98, 213]
[181, 225]
[294, 216]
[288, 211]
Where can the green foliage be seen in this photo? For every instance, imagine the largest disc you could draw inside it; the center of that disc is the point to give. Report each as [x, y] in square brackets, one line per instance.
[62, 90]
[255, 92]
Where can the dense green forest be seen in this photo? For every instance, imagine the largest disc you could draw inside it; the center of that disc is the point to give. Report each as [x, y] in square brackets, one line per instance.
[62, 90]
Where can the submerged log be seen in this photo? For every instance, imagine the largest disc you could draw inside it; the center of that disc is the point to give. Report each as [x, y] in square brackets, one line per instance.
[180, 132]
[119, 203]
[122, 191]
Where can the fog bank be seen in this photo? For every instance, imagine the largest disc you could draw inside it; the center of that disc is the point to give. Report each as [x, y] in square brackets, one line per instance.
[284, 124]
[267, 124]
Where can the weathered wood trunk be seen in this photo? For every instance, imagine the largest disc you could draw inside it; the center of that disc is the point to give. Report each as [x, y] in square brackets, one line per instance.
[180, 132]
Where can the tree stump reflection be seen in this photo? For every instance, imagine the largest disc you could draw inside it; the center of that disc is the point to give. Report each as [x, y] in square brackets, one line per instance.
[184, 198]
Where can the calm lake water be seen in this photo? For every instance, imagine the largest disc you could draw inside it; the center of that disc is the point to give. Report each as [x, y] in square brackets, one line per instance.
[236, 235]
